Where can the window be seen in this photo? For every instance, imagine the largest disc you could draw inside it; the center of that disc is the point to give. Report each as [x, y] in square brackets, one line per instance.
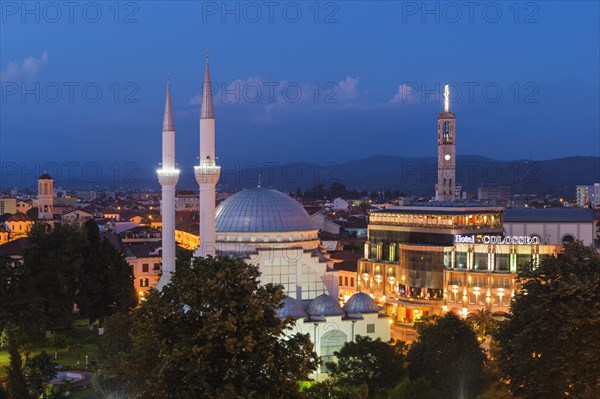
[143, 282]
[157, 266]
[346, 281]
[370, 328]
[145, 268]
[472, 299]
[351, 281]
[340, 280]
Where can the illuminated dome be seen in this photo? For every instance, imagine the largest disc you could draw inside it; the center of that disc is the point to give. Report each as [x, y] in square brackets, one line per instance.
[361, 303]
[324, 305]
[292, 308]
[261, 210]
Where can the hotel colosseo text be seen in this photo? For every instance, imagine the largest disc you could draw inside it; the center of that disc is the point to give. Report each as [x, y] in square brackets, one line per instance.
[450, 255]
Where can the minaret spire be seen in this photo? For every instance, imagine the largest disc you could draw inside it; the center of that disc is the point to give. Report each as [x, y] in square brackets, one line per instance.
[168, 176]
[168, 125]
[207, 111]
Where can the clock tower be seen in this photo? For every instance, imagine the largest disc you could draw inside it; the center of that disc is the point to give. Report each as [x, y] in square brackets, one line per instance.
[446, 188]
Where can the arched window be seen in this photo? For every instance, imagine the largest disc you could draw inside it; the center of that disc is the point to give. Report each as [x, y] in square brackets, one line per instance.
[447, 131]
[567, 238]
[331, 341]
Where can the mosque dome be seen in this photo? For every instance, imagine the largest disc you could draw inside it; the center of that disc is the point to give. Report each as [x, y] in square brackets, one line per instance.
[361, 303]
[292, 308]
[261, 210]
[324, 305]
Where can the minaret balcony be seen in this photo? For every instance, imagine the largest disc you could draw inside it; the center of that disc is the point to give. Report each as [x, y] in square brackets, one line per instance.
[168, 177]
[207, 173]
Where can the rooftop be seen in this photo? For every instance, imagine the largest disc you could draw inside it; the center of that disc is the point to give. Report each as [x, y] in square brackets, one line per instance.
[549, 215]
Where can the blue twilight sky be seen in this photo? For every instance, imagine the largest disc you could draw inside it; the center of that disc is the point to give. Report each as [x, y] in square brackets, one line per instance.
[306, 81]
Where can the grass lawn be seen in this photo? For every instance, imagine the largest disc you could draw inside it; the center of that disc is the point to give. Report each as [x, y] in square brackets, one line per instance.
[88, 340]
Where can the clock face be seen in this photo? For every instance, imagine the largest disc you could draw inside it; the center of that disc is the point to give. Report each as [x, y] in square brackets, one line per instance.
[447, 157]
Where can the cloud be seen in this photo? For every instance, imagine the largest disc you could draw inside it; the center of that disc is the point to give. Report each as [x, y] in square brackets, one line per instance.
[28, 69]
[348, 90]
[406, 93]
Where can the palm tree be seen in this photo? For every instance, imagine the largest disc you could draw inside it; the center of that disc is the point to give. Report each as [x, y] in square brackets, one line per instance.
[483, 323]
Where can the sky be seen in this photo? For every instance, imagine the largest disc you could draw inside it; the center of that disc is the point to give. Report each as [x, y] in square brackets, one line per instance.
[296, 81]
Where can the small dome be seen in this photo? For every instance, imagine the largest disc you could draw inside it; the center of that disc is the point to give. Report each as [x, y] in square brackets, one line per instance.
[324, 305]
[361, 303]
[292, 308]
[45, 176]
[259, 210]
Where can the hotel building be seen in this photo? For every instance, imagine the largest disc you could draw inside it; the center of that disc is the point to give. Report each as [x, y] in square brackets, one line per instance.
[455, 256]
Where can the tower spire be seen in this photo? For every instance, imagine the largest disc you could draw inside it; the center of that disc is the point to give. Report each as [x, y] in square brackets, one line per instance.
[207, 111]
[168, 124]
[446, 98]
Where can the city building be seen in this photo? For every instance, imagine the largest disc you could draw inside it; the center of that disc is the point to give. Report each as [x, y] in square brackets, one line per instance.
[588, 196]
[498, 194]
[552, 226]
[187, 201]
[8, 205]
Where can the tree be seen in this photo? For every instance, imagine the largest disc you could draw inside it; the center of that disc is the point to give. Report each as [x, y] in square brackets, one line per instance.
[53, 261]
[549, 345]
[483, 323]
[106, 282]
[448, 355]
[419, 388]
[373, 362]
[17, 384]
[327, 389]
[39, 370]
[212, 332]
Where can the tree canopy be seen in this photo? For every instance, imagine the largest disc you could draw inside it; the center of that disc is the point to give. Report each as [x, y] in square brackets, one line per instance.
[372, 362]
[449, 357]
[212, 332]
[549, 346]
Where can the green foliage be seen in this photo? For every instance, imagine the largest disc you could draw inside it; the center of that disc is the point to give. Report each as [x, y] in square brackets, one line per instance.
[327, 389]
[483, 323]
[17, 384]
[3, 339]
[52, 261]
[419, 388]
[39, 370]
[448, 355]
[549, 346]
[372, 362]
[106, 282]
[212, 332]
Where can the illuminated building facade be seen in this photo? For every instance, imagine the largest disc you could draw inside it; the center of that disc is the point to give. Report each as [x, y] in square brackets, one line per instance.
[424, 260]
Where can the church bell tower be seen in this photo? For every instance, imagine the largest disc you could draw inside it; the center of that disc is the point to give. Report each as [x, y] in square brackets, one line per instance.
[446, 188]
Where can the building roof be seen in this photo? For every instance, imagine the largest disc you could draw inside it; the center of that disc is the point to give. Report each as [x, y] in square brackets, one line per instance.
[292, 308]
[262, 210]
[361, 303]
[19, 217]
[324, 305]
[45, 176]
[541, 215]
[14, 247]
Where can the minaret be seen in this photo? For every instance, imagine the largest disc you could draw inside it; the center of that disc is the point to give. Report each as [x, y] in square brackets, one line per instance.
[168, 176]
[207, 172]
[45, 199]
[446, 188]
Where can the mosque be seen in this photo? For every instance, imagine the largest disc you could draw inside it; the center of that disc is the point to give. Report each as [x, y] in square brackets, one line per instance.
[269, 229]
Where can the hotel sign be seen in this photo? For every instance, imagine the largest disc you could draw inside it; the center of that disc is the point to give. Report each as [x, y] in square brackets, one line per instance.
[487, 239]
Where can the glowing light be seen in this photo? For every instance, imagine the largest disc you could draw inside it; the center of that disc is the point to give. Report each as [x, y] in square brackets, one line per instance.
[446, 98]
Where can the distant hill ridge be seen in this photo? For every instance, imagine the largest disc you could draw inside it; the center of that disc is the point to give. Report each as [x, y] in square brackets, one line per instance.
[412, 175]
